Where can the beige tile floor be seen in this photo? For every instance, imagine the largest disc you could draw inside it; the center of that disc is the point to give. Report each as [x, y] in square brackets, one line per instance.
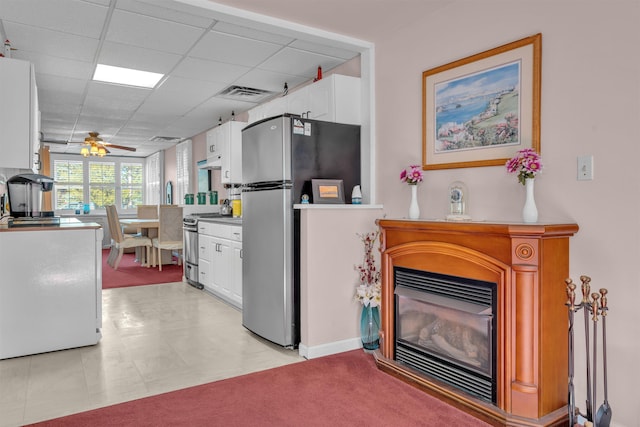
[155, 339]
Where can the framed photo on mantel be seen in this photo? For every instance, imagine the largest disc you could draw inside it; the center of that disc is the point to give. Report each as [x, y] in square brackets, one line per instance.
[480, 110]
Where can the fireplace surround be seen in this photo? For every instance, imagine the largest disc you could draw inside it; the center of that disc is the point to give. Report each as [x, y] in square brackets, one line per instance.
[524, 265]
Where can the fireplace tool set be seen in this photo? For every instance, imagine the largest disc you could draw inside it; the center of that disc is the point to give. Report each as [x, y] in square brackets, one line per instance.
[594, 306]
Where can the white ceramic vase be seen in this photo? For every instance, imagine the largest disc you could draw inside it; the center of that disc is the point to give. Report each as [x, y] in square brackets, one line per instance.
[414, 209]
[529, 211]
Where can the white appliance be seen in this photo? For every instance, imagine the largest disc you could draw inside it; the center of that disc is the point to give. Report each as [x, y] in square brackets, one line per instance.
[51, 289]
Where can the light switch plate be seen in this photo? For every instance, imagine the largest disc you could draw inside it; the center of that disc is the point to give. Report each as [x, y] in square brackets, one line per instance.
[585, 168]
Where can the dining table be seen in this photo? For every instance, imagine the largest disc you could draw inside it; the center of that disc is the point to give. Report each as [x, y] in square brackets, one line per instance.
[145, 227]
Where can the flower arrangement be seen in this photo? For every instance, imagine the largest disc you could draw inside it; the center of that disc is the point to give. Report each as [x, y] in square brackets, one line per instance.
[412, 175]
[368, 292]
[526, 163]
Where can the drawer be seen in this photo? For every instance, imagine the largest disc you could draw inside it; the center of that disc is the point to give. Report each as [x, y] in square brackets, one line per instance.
[236, 233]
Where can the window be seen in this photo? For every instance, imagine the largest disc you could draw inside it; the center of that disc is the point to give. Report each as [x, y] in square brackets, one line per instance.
[69, 178]
[183, 170]
[102, 184]
[98, 182]
[131, 185]
[153, 181]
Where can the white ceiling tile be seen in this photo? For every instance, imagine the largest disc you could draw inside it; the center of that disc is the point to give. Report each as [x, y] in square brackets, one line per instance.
[324, 49]
[152, 33]
[165, 10]
[69, 16]
[128, 56]
[233, 49]
[225, 27]
[298, 62]
[177, 95]
[269, 80]
[57, 66]
[54, 43]
[68, 86]
[212, 71]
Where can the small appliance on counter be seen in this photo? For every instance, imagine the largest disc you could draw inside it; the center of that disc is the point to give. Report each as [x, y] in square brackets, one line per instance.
[226, 208]
[26, 192]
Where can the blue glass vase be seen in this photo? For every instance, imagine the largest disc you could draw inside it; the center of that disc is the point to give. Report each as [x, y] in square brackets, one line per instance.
[370, 327]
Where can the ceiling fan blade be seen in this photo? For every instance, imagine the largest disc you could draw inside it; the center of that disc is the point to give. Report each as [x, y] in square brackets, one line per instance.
[119, 147]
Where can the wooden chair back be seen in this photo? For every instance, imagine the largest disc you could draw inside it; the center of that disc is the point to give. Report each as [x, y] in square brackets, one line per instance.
[170, 223]
[147, 211]
[114, 224]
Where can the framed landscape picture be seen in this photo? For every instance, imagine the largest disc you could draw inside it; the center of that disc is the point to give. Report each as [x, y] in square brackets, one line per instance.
[480, 110]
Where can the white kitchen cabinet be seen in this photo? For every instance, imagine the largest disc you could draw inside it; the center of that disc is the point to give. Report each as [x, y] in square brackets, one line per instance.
[204, 261]
[220, 260]
[335, 98]
[51, 293]
[224, 150]
[20, 136]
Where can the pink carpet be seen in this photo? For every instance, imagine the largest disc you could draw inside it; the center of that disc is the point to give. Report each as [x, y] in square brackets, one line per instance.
[130, 273]
[345, 389]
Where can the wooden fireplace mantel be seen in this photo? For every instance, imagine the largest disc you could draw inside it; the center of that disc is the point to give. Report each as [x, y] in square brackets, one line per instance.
[529, 263]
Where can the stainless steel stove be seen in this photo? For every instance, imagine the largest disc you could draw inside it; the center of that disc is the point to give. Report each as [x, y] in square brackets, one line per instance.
[190, 227]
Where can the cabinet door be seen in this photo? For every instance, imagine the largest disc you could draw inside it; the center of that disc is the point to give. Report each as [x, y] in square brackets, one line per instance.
[204, 261]
[17, 86]
[298, 102]
[232, 153]
[235, 285]
[213, 144]
[220, 267]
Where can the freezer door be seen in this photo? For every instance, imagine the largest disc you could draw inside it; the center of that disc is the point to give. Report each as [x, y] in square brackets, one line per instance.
[268, 307]
[266, 151]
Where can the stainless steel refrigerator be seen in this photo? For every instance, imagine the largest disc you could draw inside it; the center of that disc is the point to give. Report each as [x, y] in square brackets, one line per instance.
[280, 157]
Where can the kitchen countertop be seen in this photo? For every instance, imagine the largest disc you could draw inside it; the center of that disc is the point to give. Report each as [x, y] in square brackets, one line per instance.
[222, 220]
[65, 224]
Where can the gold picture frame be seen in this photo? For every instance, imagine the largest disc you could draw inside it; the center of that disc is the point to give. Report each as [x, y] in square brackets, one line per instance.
[480, 110]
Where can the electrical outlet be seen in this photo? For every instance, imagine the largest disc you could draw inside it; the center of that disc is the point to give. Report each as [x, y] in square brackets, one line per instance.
[585, 168]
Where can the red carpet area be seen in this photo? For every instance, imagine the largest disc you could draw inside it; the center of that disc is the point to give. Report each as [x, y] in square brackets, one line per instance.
[130, 273]
[345, 389]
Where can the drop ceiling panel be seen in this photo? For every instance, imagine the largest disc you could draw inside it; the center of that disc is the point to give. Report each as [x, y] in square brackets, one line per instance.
[177, 95]
[269, 80]
[211, 71]
[299, 62]
[64, 85]
[250, 33]
[57, 66]
[233, 49]
[152, 33]
[33, 39]
[323, 49]
[128, 56]
[68, 16]
[165, 10]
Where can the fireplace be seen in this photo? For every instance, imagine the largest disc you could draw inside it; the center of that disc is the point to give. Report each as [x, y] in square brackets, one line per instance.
[445, 328]
[472, 314]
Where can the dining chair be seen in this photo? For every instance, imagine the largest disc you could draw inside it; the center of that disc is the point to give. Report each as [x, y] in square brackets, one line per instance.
[169, 233]
[120, 241]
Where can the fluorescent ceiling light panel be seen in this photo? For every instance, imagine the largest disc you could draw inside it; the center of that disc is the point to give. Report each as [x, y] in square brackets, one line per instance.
[126, 76]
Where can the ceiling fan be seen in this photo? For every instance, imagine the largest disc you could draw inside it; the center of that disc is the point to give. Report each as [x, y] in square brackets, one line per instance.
[93, 145]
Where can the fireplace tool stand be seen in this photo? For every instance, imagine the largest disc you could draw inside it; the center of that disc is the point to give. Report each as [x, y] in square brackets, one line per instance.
[593, 305]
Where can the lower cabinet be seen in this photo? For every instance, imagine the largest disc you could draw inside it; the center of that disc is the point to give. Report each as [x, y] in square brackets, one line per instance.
[220, 261]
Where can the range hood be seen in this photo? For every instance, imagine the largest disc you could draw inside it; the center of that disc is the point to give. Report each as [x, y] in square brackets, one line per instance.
[212, 164]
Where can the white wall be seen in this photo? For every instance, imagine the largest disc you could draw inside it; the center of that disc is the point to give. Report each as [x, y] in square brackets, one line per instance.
[590, 105]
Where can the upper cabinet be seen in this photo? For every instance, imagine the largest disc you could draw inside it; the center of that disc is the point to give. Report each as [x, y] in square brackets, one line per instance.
[20, 135]
[224, 151]
[336, 98]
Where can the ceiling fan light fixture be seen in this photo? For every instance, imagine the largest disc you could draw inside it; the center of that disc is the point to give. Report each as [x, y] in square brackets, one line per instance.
[126, 76]
[84, 151]
[101, 151]
[93, 150]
